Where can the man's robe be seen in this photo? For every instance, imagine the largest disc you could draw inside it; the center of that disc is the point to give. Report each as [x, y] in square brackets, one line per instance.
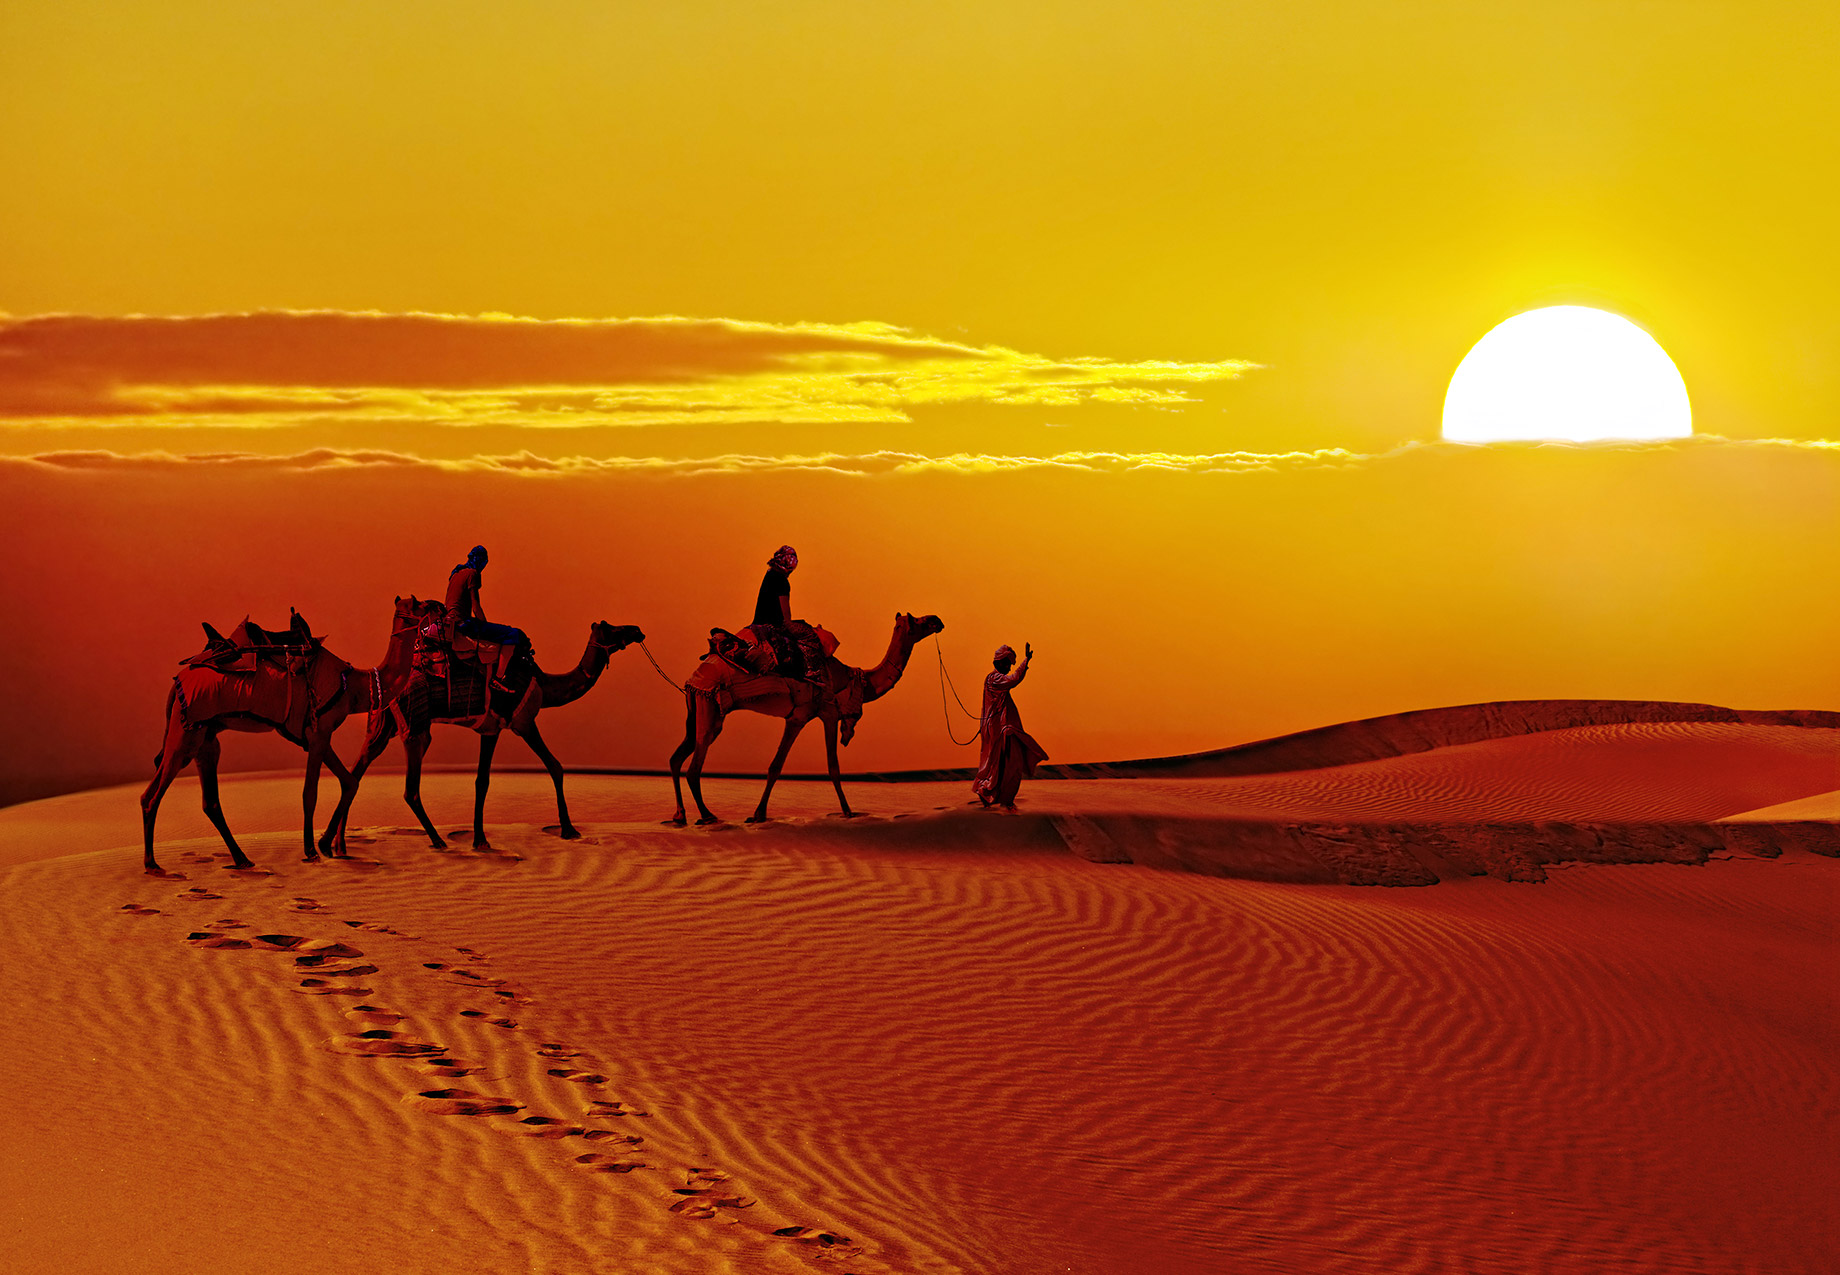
[1009, 754]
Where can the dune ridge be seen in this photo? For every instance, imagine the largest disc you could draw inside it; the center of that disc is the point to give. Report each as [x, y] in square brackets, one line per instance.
[1394, 735]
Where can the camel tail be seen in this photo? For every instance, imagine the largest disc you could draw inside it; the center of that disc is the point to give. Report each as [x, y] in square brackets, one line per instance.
[171, 695]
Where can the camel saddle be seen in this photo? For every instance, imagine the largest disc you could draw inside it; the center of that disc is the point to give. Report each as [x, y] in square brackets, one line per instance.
[249, 645]
[439, 643]
[751, 653]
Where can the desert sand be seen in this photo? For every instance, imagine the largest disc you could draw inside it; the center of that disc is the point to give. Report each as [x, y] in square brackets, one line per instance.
[939, 1039]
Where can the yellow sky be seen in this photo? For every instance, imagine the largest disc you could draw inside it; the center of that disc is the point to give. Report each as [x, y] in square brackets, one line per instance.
[906, 249]
[1349, 194]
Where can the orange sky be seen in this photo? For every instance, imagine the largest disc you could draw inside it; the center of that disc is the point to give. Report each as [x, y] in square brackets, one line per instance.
[1220, 258]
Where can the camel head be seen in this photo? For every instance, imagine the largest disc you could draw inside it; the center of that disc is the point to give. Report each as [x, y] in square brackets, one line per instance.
[921, 626]
[615, 637]
[413, 614]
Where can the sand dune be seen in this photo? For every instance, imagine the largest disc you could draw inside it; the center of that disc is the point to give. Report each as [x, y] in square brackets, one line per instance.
[931, 1039]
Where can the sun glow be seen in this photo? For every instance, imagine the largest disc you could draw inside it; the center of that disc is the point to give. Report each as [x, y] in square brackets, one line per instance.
[1566, 372]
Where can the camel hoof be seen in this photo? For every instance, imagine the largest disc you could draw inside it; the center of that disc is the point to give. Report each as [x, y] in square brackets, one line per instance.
[676, 821]
[570, 834]
[438, 844]
[707, 819]
[756, 818]
[311, 856]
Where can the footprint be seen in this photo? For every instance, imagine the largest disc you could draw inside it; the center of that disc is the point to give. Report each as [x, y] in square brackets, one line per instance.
[320, 987]
[372, 1016]
[379, 1043]
[300, 903]
[207, 938]
[446, 1067]
[136, 909]
[230, 923]
[578, 1077]
[556, 1052]
[476, 980]
[701, 1202]
[280, 942]
[596, 1110]
[506, 1023]
[459, 1102]
[335, 971]
[594, 1162]
[327, 947]
[608, 1135]
[812, 1235]
[545, 1127]
[198, 894]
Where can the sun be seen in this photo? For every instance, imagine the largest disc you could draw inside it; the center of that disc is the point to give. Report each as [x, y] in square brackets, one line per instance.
[1566, 372]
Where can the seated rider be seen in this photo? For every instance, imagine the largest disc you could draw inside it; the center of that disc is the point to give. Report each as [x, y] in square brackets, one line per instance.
[794, 642]
[466, 617]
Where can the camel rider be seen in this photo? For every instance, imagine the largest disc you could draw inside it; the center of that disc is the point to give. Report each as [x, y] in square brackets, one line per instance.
[467, 618]
[793, 641]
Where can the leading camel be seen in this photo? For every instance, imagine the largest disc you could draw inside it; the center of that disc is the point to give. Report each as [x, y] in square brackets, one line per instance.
[284, 682]
[718, 688]
[427, 699]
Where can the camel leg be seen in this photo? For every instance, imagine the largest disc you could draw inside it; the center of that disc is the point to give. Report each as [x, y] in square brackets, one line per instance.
[530, 735]
[175, 755]
[488, 744]
[375, 740]
[413, 748]
[830, 758]
[708, 727]
[683, 750]
[208, 752]
[794, 725]
[309, 793]
[332, 843]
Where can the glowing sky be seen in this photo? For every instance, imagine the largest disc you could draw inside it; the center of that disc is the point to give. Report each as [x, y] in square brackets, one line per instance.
[1120, 328]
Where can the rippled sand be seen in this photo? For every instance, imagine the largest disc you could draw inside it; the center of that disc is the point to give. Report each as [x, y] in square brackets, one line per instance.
[930, 1040]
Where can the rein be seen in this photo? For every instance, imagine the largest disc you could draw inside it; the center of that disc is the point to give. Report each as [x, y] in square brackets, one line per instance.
[676, 686]
[945, 680]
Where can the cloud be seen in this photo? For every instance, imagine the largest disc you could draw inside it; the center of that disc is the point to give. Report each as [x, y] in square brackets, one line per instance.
[289, 367]
[871, 464]
[867, 464]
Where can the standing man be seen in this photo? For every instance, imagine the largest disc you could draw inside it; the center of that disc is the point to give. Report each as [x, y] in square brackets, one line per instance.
[1009, 754]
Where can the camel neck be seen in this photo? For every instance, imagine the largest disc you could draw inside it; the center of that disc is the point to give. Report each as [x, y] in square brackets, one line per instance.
[881, 679]
[562, 688]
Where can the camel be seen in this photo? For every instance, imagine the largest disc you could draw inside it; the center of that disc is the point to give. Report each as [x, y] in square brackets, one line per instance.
[284, 682]
[427, 699]
[718, 688]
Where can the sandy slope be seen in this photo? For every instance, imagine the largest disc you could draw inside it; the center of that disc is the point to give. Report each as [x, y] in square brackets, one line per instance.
[931, 1032]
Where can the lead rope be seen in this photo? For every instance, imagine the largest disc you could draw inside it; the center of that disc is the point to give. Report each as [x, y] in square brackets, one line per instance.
[945, 679]
[661, 673]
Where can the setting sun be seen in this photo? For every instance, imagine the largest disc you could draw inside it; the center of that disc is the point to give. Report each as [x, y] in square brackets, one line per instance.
[1566, 372]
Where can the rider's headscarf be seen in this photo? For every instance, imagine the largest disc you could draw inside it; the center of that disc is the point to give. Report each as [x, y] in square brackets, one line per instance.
[475, 558]
[785, 558]
[1003, 653]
